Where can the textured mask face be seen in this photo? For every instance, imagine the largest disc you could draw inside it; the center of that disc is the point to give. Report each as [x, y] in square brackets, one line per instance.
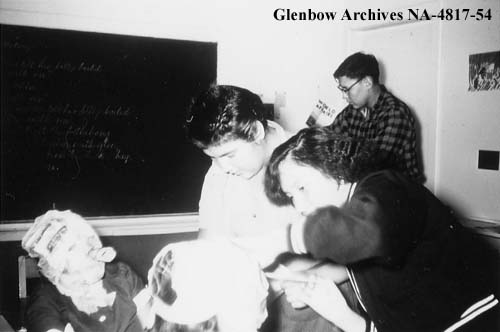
[70, 252]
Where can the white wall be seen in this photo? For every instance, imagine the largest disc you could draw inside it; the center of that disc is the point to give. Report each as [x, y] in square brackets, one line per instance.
[295, 58]
[267, 56]
[468, 121]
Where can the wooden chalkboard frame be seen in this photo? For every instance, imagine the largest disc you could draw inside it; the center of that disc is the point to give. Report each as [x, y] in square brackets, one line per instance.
[92, 122]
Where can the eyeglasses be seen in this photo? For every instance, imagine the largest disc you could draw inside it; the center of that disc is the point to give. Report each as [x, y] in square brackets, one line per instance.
[346, 90]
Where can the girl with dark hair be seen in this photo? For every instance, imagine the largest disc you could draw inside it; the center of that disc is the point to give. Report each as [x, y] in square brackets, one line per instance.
[344, 159]
[412, 265]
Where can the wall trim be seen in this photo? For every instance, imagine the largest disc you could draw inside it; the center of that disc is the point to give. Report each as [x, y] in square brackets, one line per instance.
[120, 225]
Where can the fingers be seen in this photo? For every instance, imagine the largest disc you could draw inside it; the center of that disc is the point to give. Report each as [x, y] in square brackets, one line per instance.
[297, 293]
[296, 304]
[68, 328]
[295, 298]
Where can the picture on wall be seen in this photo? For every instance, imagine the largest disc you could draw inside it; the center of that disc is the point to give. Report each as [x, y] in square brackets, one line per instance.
[484, 71]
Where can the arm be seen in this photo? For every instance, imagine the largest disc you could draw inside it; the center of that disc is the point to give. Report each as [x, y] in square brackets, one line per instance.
[324, 269]
[331, 233]
[324, 297]
[395, 125]
[204, 233]
[267, 247]
[211, 205]
[382, 220]
[133, 282]
[339, 124]
[396, 130]
[43, 311]
[67, 328]
[396, 141]
[329, 271]
[302, 267]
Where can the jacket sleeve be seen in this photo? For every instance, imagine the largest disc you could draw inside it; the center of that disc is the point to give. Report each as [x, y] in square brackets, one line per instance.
[379, 222]
[43, 311]
[133, 283]
[339, 124]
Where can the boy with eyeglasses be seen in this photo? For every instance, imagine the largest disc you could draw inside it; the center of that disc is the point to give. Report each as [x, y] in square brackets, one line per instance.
[376, 114]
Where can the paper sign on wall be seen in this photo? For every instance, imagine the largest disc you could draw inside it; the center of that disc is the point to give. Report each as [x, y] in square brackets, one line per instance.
[321, 115]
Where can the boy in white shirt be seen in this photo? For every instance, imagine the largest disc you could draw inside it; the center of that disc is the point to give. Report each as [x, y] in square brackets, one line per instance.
[229, 124]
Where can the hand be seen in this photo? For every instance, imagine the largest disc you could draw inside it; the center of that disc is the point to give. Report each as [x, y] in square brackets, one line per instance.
[266, 247]
[321, 294]
[293, 291]
[324, 297]
[144, 303]
[291, 282]
[68, 328]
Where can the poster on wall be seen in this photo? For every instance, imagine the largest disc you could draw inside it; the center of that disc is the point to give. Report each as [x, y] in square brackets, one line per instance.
[322, 115]
[484, 71]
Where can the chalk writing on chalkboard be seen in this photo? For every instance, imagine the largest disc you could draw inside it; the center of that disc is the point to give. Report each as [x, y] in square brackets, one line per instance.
[93, 122]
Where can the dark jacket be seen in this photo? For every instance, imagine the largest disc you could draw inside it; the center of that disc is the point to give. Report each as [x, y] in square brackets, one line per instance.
[415, 267]
[49, 309]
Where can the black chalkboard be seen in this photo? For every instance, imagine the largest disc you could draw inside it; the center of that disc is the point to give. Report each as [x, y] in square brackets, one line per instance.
[92, 122]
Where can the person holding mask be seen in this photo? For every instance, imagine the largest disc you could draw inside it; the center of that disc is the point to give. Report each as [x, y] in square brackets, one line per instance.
[229, 125]
[412, 265]
[376, 114]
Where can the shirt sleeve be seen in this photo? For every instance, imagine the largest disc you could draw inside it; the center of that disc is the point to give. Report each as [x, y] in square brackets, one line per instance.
[210, 205]
[340, 125]
[395, 131]
[379, 222]
[396, 142]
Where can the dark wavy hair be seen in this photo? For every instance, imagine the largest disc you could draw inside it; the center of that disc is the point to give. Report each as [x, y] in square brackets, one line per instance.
[223, 113]
[340, 157]
[358, 66]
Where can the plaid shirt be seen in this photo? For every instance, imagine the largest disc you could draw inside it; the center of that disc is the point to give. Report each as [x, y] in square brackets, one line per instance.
[391, 126]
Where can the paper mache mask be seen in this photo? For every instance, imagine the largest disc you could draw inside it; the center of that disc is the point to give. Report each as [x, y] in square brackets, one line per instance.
[193, 281]
[54, 234]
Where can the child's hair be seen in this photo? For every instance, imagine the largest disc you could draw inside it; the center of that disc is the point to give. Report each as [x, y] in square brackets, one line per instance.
[223, 113]
[341, 158]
